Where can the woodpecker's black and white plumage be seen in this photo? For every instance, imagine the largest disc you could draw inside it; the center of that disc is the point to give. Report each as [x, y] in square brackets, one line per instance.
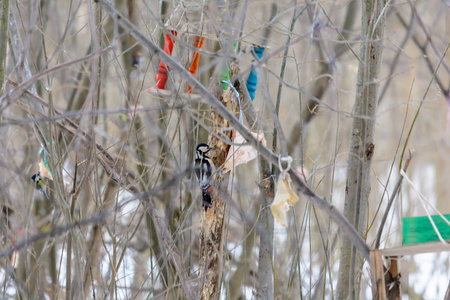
[203, 170]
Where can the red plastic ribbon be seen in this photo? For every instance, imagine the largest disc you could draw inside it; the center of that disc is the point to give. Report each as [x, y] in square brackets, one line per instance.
[161, 77]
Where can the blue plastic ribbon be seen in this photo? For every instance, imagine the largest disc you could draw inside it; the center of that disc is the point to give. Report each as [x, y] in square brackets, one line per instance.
[252, 80]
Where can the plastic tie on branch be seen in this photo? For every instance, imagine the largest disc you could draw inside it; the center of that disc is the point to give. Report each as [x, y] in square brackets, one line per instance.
[161, 77]
[284, 196]
[236, 93]
[286, 159]
[224, 74]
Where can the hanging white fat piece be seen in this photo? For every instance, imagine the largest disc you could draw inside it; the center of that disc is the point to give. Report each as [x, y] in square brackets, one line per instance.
[284, 198]
[44, 171]
[242, 154]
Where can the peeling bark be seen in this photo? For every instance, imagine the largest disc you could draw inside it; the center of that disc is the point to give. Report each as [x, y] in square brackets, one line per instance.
[211, 235]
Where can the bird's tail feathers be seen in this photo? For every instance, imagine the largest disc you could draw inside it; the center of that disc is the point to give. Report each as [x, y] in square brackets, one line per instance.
[206, 195]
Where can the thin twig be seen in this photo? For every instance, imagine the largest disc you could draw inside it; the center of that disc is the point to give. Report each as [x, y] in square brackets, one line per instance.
[409, 32]
[429, 38]
[391, 201]
[24, 85]
[283, 143]
[423, 49]
[420, 105]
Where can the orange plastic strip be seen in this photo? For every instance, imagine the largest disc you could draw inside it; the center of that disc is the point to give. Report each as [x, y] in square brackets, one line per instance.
[198, 44]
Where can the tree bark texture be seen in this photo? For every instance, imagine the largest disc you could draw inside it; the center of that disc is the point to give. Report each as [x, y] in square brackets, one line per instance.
[265, 286]
[211, 235]
[265, 260]
[361, 142]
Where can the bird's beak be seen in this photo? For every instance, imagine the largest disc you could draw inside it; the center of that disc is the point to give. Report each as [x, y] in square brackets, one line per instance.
[211, 149]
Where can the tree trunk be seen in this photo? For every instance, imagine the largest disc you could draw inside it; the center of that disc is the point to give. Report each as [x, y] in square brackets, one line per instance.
[211, 239]
[265, 260]
[361, 142]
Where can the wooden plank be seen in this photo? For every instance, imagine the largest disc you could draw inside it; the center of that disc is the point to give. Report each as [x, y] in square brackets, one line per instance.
[417, 230]
[377, 275]
[416, 249]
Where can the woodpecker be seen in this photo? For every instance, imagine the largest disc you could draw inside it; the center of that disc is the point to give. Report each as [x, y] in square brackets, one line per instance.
[203, 170]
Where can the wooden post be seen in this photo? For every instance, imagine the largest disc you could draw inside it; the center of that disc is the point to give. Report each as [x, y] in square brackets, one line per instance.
[377, 275]
[392, 280]
[394, 267]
